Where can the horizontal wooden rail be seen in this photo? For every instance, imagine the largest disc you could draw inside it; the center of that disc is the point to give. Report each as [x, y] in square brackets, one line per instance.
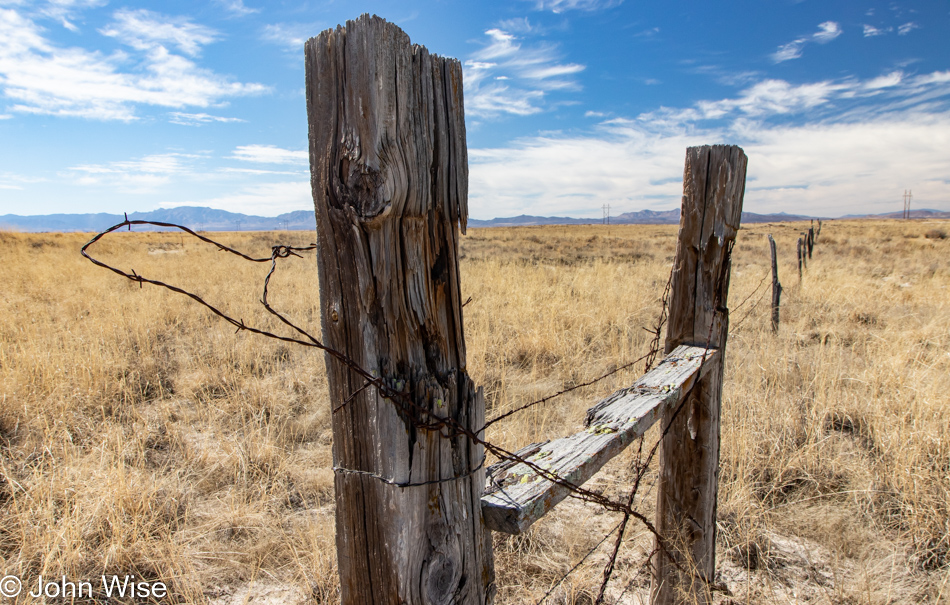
[516, 496]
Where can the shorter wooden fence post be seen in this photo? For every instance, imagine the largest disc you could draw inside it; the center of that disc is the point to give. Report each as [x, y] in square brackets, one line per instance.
[802, 256]
[776, 286]
[685, 559]
[799, 253]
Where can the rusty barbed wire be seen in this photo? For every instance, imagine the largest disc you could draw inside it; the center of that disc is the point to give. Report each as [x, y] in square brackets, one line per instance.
[768, 273]
[577, 565]
[547, 398]
[649, 356]
[611, 563]
[750, 310]
[640, 569]
[425, 419]
[660, 322]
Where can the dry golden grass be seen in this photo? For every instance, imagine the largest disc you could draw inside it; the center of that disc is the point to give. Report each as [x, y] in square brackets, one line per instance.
[139, 434]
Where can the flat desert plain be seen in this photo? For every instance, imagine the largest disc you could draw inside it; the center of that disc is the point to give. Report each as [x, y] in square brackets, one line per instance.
[139, 434]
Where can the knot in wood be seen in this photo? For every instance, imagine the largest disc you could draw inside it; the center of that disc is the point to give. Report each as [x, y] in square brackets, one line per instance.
[363, 188]
[440, 579]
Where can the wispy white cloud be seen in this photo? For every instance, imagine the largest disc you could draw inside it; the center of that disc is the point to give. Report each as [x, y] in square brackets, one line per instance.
[937, 77]
[825, 170]
[144, 30]
[518, 26]
[497, 99]
[64, 10]
[143, 175]
[727, 77]
[9, 180]
[270, 154]
[507, 77]
[846, 159]
[647, 33]
[268, 199]
[291, 35]
[870, 31]
[237, 7]
[824, 99]
[560, 6]
[576, 175]
[771, 97]
[160, 173]
[42, 77]
[787, 52]
[259, 171]
[906, 28]
[886, 81]
[827, 31]
[198, 119]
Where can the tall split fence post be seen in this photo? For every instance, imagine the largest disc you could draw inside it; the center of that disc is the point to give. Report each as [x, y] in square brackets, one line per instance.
[685, 560]
[389, 174]
[776, 286]
[810, 241]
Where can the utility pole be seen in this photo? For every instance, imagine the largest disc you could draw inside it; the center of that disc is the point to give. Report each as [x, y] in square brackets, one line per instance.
[908, 195]
[606, 209]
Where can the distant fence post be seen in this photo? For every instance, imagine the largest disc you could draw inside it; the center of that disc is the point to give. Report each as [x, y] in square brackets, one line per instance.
[389, 174]
[776, 286]
[713, 189]
[800, 259]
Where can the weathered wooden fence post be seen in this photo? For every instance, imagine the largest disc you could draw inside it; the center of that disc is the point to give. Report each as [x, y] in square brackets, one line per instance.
[800, 259]
[713, 188]
[389, 173]
[776, 286]
[811, 241]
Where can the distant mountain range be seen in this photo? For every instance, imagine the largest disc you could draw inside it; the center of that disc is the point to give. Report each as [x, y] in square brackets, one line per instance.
[209, 219]
[193, 217]
[913, 214]
[642, 217]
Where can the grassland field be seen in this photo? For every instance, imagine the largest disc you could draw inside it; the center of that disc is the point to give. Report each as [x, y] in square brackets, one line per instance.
[139, 434]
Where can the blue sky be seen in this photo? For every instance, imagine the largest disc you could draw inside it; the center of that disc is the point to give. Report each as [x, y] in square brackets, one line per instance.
[108, 106]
